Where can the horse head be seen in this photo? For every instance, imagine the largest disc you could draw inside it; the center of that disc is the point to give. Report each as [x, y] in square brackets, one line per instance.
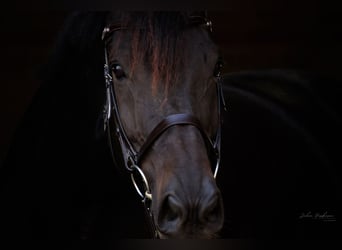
[163, 112]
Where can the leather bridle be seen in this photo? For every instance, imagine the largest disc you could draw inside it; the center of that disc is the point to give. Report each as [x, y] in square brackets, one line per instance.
[132, 158]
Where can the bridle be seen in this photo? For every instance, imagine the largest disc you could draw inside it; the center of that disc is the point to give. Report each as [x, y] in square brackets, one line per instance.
[117, 137]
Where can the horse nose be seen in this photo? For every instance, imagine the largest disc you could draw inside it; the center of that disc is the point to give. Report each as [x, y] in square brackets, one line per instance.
[179, 217]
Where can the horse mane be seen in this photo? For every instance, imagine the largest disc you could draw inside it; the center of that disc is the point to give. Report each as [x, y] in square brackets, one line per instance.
[78, 47]
[74, 70]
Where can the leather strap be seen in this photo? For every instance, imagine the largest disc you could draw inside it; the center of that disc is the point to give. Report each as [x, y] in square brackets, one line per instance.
[166, 123]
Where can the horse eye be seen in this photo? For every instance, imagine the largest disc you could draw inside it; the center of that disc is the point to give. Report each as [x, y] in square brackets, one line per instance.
[118, 71]
[218, 68]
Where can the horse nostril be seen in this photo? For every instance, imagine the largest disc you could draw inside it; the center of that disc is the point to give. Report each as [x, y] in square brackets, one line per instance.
[170, 215]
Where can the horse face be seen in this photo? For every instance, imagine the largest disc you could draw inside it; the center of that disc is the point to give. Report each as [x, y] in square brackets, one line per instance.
[186, 201]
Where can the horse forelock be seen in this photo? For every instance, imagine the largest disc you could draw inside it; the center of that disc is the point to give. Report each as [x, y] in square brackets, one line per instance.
[156, 40]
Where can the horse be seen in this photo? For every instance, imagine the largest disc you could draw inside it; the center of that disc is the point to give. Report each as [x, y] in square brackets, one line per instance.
[154, 82]
[159, 101]
[59, 181]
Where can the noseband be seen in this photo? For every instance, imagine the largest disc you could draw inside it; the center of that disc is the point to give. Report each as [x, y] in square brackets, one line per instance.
[132, 158]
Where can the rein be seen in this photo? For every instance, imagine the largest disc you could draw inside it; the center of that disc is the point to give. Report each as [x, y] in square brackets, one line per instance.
[131, 158]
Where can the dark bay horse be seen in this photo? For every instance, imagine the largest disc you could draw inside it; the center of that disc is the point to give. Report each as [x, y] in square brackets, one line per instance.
[162, 74]
[151, 80]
